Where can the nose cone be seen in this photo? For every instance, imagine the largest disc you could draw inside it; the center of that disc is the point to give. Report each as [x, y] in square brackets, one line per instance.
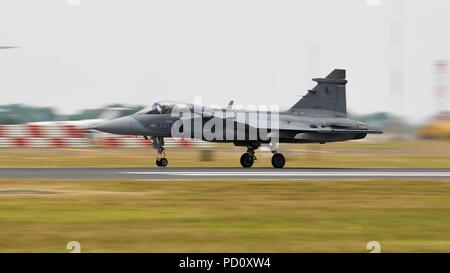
[120, 126]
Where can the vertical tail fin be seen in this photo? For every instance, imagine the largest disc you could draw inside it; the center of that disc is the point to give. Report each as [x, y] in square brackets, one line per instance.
[327, 98]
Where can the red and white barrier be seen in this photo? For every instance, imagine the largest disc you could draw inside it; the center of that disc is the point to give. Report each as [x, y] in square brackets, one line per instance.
[113, 141]
[59, 136]
[33, 142]
[40, 131]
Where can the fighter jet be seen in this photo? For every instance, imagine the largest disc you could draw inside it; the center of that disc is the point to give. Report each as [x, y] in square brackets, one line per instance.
[319, 117]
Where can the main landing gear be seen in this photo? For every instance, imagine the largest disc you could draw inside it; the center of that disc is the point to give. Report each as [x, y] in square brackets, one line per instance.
[278, 160]
[247, 159]
[158, 144]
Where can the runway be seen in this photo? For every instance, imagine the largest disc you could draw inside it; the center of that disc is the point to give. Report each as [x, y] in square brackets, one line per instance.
[223, 173]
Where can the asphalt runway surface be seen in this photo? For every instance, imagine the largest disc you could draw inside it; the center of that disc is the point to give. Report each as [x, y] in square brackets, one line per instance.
[224, 173]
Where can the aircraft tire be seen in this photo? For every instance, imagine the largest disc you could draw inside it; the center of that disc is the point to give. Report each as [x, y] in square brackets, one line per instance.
[247, 160]
[278, 161]
[163, 162]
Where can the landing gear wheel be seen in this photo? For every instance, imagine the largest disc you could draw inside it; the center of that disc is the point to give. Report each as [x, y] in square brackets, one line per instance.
[162, 162]
[247, 160]
[158, 144]
[278, 161]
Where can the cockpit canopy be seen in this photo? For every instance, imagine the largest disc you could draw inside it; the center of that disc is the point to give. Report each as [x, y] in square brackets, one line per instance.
[166, 107]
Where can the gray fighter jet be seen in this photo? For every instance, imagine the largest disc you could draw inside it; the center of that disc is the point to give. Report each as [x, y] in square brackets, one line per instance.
[319, 117]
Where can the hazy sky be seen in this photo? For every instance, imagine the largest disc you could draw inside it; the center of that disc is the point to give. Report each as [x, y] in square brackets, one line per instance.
[252, 51]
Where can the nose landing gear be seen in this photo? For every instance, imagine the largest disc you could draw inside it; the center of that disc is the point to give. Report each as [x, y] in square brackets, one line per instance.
[158, 144]
[161, 161]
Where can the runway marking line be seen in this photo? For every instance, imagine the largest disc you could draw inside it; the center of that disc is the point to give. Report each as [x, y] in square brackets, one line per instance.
[337, 174]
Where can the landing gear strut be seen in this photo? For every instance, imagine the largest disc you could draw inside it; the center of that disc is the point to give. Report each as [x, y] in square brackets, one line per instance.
[249, 157]
[158, 144]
